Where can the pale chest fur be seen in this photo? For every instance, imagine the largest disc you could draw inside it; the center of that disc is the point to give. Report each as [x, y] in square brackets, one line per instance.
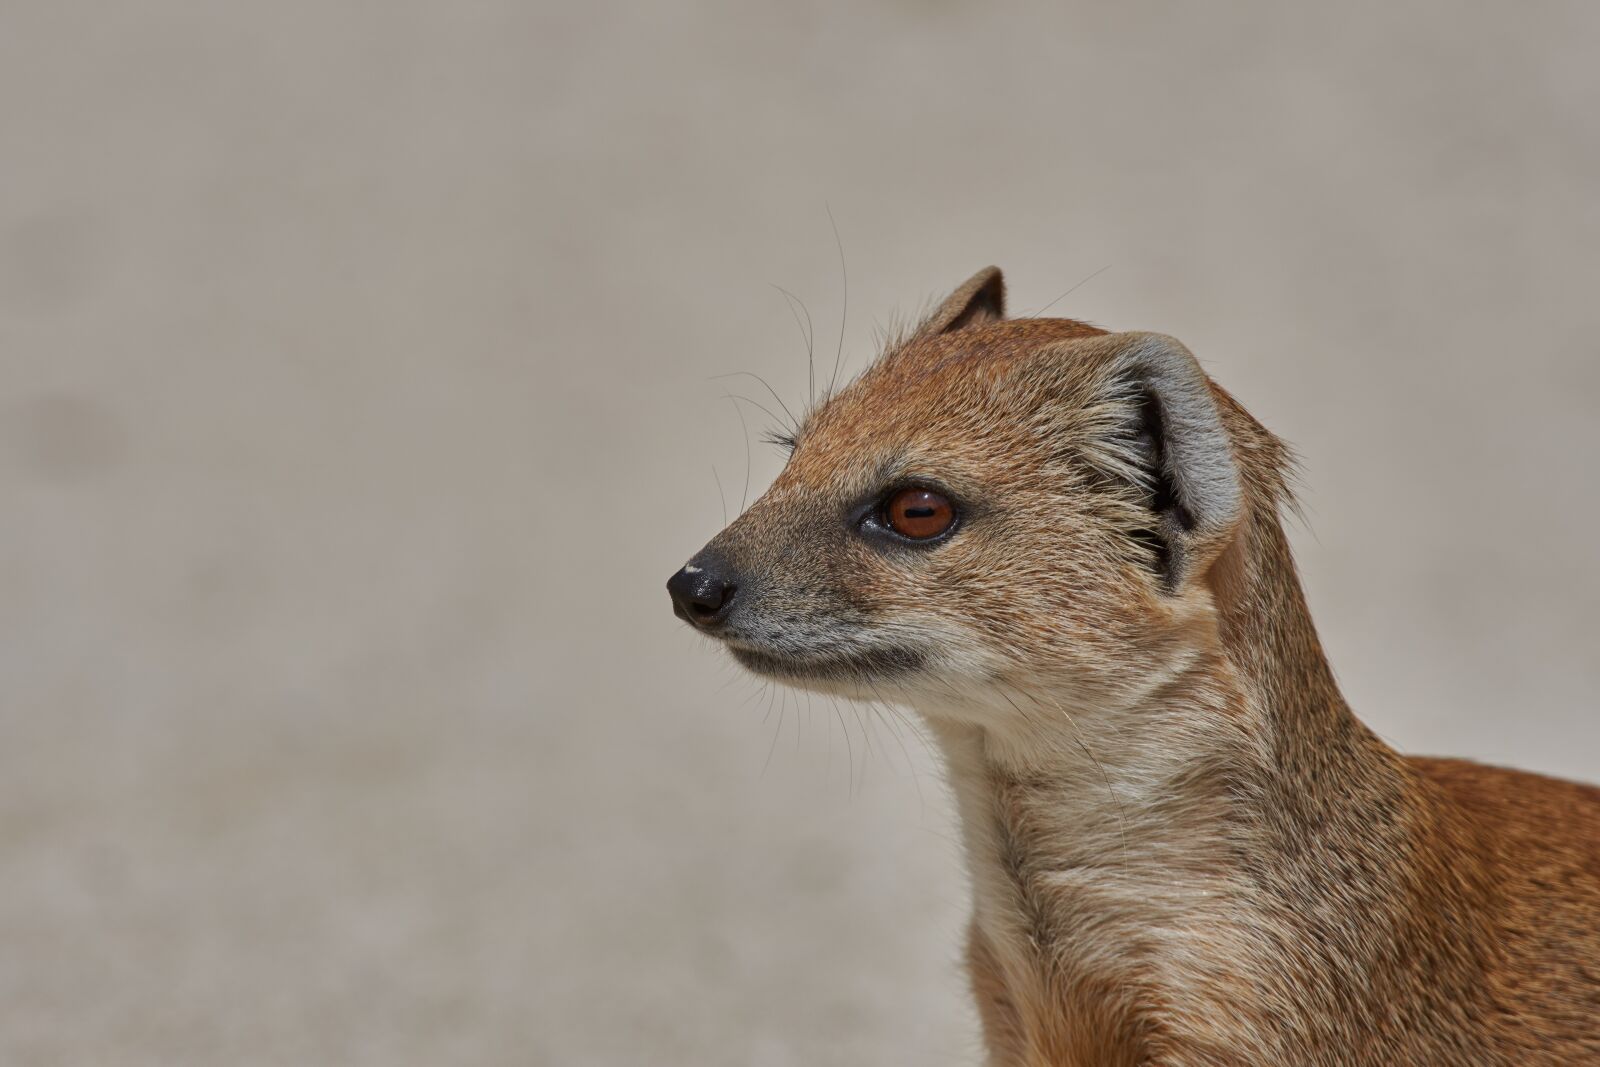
[1113, 918]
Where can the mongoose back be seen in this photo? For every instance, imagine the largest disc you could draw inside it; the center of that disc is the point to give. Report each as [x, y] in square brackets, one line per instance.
[1063, 548]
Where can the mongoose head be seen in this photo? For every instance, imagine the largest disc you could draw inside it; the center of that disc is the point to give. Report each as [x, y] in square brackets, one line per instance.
[995, 504]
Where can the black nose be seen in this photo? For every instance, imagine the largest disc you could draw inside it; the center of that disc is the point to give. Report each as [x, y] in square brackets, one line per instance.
[702, 593]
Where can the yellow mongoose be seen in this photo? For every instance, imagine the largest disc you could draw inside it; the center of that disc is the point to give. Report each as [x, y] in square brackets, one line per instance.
[1062, 547]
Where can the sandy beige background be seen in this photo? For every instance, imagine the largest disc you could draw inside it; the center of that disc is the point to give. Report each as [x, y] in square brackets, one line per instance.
[357, 400]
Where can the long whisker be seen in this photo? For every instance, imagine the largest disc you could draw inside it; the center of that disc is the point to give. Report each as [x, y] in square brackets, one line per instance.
[755, 404]
[884, 705]
[808, 334]
[849, 749]
[751, 374]
[866, 741]
[1069, 292]
[721, 495]
[774, 746]
[797, 737]
[880, 712]
[844, 302]
[745, 426]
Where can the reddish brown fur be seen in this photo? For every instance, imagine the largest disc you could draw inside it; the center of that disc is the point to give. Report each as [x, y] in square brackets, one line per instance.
[1258, 878]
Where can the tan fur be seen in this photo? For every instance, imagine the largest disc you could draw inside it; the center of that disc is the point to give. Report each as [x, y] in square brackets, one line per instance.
[1184, 847]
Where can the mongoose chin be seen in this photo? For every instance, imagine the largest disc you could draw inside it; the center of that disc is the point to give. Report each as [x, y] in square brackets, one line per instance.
[1063, 548]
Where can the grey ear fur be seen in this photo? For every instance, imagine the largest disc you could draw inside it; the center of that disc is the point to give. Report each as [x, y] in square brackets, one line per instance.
[1180, 449]
[980, 299]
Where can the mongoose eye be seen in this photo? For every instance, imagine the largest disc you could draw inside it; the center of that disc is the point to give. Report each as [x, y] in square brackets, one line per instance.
[919, 514]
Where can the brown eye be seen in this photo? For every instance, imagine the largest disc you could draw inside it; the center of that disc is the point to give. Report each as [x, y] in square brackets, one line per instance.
[919, 513]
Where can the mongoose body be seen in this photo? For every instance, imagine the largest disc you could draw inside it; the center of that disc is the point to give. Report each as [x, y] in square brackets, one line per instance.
[1063, 548]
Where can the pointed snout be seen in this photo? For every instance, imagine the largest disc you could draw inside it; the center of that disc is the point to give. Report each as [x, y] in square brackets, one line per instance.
[703, 591]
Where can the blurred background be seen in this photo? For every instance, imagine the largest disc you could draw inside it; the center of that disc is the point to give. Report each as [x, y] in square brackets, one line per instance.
[358, 400]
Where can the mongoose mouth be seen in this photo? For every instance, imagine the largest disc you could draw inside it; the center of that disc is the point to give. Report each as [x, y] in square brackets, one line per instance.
[872, 665]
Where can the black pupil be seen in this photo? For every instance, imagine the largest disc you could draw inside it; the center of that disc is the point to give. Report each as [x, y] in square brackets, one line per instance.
[923, 512]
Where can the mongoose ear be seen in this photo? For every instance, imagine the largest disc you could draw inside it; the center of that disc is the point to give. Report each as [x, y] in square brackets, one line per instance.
[980, 299]
[1171, 443]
